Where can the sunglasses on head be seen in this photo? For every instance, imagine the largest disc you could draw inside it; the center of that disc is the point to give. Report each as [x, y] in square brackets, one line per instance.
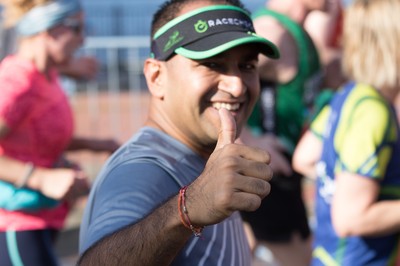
[73, 25]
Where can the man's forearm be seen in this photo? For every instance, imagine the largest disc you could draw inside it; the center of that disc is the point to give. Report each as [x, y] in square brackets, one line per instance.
[155, 240]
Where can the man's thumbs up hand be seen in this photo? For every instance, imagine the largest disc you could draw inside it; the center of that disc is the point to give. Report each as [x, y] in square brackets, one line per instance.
[227, 131]
[236, 178]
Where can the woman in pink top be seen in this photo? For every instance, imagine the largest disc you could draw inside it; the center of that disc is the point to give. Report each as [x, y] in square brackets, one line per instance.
[36, 127]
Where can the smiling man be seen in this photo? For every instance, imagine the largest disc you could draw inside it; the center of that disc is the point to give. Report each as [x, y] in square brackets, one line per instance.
[171, 195]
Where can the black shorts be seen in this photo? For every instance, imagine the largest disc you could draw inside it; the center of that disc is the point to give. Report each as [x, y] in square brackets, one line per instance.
[33, 248]
[281, 213]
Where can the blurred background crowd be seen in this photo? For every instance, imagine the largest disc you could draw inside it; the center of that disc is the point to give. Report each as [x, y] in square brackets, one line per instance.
[108, 95]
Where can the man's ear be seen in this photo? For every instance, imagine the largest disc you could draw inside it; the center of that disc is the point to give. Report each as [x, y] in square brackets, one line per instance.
[154, 73]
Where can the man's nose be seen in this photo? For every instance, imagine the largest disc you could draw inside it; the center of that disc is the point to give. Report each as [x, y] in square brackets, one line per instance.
[233, 84]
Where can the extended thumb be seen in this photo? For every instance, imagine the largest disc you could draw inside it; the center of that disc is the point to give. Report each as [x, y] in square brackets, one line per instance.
[227, 130]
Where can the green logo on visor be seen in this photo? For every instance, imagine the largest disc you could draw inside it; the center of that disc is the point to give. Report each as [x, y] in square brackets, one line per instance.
[173, 39]
[201, 26]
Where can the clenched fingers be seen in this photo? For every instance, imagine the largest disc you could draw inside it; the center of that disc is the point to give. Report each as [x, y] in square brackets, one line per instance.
[256, 169]
[244, 201]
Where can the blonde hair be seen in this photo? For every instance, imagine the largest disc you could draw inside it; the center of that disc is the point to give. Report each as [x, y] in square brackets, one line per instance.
[15, 9]
[371, 43]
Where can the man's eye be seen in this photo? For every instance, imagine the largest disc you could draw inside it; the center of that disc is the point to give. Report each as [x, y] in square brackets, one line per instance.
[212, 65]
[249, 66]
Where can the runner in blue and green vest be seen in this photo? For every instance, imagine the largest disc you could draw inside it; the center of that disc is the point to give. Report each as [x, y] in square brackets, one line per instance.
[352, 148]
[287, 101]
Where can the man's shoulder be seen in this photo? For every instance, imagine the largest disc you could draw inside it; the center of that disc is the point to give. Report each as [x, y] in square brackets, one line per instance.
[150, 143]
[151, 146]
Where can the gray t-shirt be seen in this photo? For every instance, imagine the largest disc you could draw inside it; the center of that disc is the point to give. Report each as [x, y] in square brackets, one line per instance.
[148, 170]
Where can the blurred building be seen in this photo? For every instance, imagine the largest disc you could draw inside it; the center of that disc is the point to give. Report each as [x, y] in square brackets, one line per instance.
[128, 17]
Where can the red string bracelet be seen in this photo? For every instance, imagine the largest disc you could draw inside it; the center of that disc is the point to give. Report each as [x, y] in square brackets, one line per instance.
[181, 216]
[184, 215]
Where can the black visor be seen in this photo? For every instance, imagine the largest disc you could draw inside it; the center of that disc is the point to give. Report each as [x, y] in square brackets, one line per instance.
[206, 32]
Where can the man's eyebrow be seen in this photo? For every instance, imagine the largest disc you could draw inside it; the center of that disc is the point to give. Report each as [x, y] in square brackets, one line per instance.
[218, 56]
[250, 55]
[253, 55]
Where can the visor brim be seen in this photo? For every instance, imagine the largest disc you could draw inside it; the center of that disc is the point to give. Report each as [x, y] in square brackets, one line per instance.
[221, 42]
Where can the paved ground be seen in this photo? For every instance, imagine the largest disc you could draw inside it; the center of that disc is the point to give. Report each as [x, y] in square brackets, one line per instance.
[67, 244]
[67, 247]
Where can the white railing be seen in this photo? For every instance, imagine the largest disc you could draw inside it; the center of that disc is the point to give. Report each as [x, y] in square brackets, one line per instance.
[121, 74]
[115, 103]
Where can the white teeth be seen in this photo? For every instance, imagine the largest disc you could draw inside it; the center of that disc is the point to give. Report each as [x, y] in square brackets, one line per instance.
[227, 106]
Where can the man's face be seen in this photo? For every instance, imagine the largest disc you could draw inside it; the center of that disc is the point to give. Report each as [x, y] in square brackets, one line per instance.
[196, 89]
[65, 39]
